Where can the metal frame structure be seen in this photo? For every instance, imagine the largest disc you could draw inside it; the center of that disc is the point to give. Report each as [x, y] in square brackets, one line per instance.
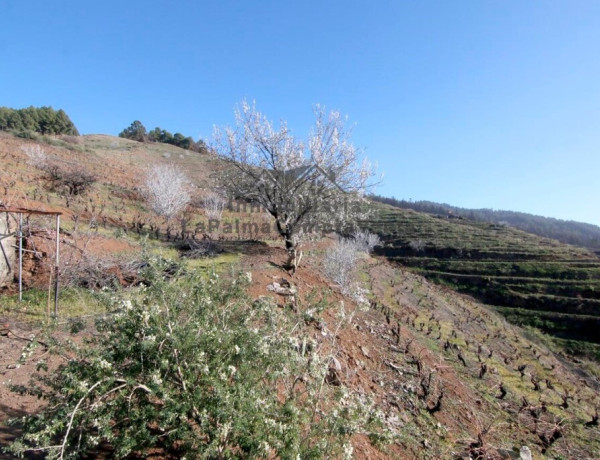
[19, 234]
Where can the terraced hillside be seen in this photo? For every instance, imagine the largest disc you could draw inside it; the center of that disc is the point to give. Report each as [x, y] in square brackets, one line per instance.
[531, 280]
[446, 376]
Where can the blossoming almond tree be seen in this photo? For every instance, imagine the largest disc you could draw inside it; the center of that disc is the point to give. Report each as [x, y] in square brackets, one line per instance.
[166, 189]
[307, 186]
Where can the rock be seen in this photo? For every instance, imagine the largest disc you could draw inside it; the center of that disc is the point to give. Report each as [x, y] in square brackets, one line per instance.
[394, 421]
[525, 453]
[283, 287]
[281, 281]
[336, 364]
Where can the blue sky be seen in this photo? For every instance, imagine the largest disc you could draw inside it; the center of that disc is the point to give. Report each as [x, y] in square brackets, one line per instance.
[473, 103]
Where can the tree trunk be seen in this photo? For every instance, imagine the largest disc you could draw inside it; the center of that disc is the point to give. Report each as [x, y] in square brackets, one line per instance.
[294, 256]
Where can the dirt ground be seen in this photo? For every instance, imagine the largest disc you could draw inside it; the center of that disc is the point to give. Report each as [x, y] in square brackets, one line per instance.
[13, 338]
[375, 361]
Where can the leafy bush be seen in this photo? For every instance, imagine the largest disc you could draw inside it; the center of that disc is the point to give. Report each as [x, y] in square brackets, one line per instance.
[192, 368]
[26, 134]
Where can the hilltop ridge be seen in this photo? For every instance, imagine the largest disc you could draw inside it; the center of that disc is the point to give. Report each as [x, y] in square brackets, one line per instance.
[566, 231]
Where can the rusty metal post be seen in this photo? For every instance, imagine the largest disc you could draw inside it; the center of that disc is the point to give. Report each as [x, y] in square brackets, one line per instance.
[56, 263]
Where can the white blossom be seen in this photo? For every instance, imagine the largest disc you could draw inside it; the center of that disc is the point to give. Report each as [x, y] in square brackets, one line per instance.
[36, 155]
[167, 190]
[312, 186]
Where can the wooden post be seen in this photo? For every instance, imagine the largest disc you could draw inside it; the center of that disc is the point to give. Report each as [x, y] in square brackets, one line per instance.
[20, 257]
[56, 263]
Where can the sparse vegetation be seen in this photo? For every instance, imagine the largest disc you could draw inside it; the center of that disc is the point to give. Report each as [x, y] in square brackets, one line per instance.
[68, 180]
[71, 182]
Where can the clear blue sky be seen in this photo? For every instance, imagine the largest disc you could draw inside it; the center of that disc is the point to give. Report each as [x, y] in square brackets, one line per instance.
[474, 103]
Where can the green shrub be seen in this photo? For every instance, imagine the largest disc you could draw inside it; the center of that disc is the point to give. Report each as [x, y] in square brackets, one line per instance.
[192, 367]
[26, 134]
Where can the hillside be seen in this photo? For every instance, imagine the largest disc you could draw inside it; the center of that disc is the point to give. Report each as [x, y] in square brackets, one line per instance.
[531, 280]
[449, 377]
[534, 280]
[119, 167]
[566, 231]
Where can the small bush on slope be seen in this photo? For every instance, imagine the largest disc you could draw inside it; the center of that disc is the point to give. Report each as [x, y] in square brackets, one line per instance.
[340, 262]
[193, 368]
